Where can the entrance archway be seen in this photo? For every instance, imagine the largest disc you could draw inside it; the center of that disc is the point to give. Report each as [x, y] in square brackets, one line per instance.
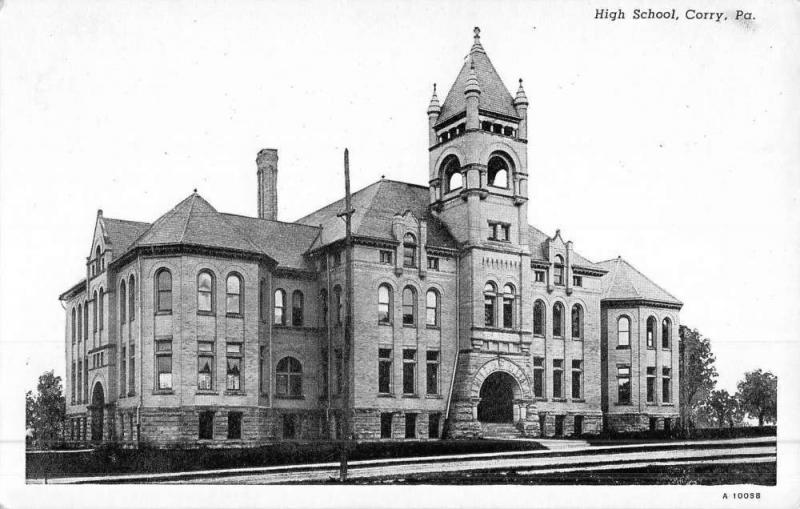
[98, 405]
[497, 398]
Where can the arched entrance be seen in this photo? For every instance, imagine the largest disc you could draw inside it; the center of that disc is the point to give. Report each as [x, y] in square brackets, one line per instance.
[497, 398]
[98, 405]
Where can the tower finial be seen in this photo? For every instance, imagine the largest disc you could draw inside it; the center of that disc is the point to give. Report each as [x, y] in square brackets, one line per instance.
[434, 108]
[477, 31]
[472, 85]
[476, 46]
[521, 99]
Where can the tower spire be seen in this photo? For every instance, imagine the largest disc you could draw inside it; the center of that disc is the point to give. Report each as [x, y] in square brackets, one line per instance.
[521, 98]
[434, 108]
[476, 45]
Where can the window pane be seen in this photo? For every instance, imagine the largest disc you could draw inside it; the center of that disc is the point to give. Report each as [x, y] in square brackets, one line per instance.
[204, 282]
[233, 284]
[233, 374]
[296, 385]
[164, 366]
[204, 301]
[233, 304]
[282, 385]
[204, 373]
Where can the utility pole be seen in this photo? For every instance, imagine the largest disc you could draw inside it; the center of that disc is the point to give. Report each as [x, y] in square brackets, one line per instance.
[348, 321]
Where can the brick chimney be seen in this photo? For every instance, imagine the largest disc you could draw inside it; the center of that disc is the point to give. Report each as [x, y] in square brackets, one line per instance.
[267, 161]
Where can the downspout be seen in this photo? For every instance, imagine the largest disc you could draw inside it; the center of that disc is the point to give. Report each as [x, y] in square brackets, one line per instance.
[270, 319]
[458, 339]
[328, 327]
[139, 349]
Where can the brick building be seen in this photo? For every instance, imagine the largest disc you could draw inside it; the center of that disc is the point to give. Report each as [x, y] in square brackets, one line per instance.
[206, 327]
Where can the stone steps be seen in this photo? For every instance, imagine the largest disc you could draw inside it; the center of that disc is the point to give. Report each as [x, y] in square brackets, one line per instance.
[500, 430]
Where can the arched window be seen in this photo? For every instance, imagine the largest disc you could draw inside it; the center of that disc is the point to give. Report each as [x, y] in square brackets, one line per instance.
[432, 308]
[85, 319]
[73, 325]
[102, 311]
[94, 311]
[233, 294]
[97, 260]
[323, 300]
[558, 270]
[409, 306]
[409, 250]
[280, 307]
[538, 318]
[337, 296]
[508, 306]
[262, 300]
[205, 292]
[666, 333]
[289, 378]
[489, 304]
[123, 302]
[499, 171]
[651, 332]
[558, 320]
[451, 174]
[623, 331]
[131, 298]
[164, 291]
[577, 321]
[384, 304]
[297, 308]
[80, 322]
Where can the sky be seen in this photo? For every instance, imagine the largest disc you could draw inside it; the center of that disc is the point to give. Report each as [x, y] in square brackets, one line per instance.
[671, 143]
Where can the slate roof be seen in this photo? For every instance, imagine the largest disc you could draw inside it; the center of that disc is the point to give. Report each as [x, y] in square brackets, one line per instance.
[624, 282]
[375, 206]
[122, 233]
[284, 242]
[494, 97]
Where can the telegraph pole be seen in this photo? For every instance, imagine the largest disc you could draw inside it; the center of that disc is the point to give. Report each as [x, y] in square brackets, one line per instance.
[348, 321]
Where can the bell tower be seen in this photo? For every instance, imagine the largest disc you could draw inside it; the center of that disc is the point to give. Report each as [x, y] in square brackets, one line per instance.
[478, 165]
[478, 155]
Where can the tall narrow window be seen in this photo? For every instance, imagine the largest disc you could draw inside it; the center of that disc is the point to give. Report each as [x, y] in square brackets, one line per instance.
[263, 308]
[666, 385]
[432, 308]
[409, 306]
[384, 304]
[651, 332]
[80, 381]
[451, 173]
[234, 425]
[80, 322]
[132, 371]
[337, 297]
[577, 321]
[205, 366]
[164, 364]
[131, 298]
[666, 333]
[205, 426]
[289, 378]
[280, 307]
[233, 296]
[205, 292]
[538, 377]
[409, 250]
[123, 303]
[97, 260]
[338, 368]
[432, 372]
[262, 369]
[409, 370]
[73, 325]
[86, 379]
[386, 425]
[489, 300]
[623, 331]
[323, 301]
[577, 376]
[297, 308]
[623, 385]
[72, 377]
[558, 270]
[508, 306]
[558, 378]
[651, 384]
[538, 318]
[558, 320]
[85, 320]
[94, 311]
[233, 371]
[101, 296]
[385, 370]
[164, 296]
[123, 375]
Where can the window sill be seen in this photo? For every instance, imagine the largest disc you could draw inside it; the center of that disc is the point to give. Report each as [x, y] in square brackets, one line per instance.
[623, 347]
[538, 335]
[162, 313]
[204, 313]
[667, 404]
[205, 392]
[651, 348]
[559, 400]
[385, 395]
[651, 403]
[163, 392]
[559, 337]
[286, 396]
[433, 327]
[577, 339]
[234, 393]
[131, 394]
[623, 404]
[385, 324]
[666, 349]
[411, 396]
[433, 396]
[578, 400]
[409, 326]
[539, 398]
[234, 315]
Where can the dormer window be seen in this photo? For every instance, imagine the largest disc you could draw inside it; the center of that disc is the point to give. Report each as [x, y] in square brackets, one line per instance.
[409, 250]
[558, 270]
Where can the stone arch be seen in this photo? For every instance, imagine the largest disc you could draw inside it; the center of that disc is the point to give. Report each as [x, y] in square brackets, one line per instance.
[523, 389]
[506, 148]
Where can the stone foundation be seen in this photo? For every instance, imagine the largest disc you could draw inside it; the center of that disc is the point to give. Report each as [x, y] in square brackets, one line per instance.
[629, 423]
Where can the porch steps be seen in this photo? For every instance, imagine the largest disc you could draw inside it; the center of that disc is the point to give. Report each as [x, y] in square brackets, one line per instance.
[500, 430]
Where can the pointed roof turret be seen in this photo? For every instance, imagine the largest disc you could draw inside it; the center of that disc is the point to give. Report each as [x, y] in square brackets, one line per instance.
[495, 97]
[472, 82]
[433, 107]
[521, 98]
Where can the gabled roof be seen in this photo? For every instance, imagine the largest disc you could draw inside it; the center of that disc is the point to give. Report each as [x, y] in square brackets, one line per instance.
[284, 242]
[537, 241]
[494, 96]
[195, 222]
[624, 282]
[122, 233]
[375, 206]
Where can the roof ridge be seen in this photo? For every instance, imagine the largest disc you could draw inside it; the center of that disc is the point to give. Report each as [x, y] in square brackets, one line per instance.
[189, 216]
[162, 218]
[648, 279]
[268, 220]
[613, 277]
[125, 220]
